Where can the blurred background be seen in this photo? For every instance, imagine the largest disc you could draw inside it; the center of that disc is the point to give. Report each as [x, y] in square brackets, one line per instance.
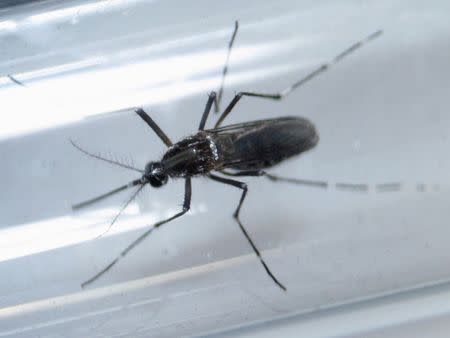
[355, 264]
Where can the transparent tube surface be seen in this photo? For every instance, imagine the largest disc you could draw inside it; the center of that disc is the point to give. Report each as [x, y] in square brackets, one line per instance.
[75, 70]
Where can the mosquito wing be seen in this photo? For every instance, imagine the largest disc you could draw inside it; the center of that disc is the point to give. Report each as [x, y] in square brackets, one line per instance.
[264, 143]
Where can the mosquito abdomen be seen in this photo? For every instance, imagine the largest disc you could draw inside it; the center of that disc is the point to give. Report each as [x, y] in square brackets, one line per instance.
[271, 142]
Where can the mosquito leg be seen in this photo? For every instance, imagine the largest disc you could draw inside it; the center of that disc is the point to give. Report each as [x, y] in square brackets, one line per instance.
[357, 187]
[152, 124]
[244, 173]
[362, 187]
[108, 194]
[235, 100]
[313, 183]
[225, 68]
[285, 92]
[186, 207]
[243, 186]
[393, 186]
[212, 98]
[13, 79]
[385, 187]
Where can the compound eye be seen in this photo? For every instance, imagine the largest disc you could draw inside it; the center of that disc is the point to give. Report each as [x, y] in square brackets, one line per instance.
[155, 174]
[157, 180]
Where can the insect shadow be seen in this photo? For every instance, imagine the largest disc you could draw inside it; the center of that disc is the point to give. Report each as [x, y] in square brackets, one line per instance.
[243, 149]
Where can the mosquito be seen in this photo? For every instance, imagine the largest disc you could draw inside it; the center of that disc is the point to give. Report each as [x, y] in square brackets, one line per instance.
[225, 152]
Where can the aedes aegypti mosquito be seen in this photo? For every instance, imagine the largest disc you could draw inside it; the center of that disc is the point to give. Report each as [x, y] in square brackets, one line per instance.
[243, 149]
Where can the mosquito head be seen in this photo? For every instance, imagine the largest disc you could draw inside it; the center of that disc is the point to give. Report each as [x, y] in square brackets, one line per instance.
[155, 174]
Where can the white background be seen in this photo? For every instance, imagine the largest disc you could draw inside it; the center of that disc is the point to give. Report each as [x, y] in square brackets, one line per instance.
[382, 115]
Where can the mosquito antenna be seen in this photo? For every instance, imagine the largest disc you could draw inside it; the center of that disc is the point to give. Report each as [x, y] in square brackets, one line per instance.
[98, 157]
[327, 65]
[133, 196]
[105, 195]
[225, 67]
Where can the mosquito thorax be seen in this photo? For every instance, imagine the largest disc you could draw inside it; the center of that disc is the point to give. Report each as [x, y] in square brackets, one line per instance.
[155, 174]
